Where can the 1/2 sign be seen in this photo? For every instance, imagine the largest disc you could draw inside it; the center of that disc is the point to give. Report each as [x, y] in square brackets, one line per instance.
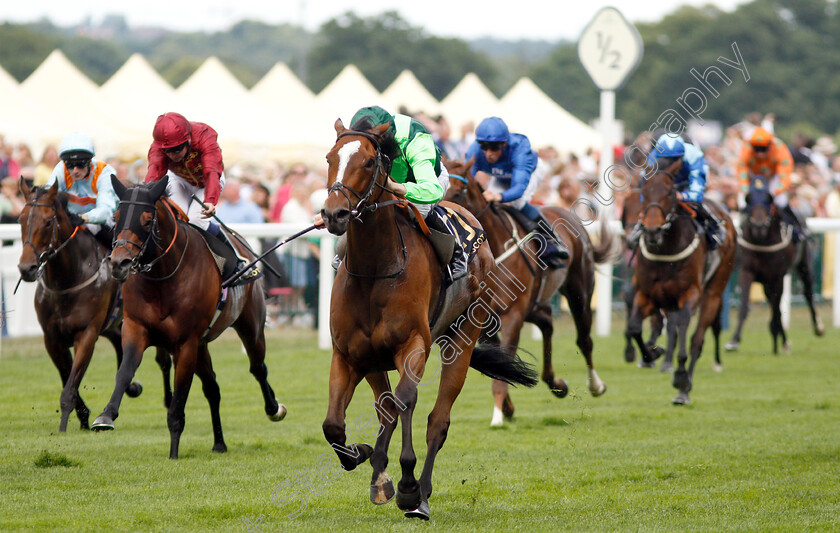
[610, 49]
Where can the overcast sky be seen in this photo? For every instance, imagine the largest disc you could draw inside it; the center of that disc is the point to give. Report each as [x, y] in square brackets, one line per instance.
[516, 19]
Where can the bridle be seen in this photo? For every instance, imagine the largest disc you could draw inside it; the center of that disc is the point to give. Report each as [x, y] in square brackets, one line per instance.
[383, 166]
[152, 235]
[52, 250]
[670, 215]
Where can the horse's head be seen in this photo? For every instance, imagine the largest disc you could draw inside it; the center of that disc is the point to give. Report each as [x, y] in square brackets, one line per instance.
[463, 189]
[659, 199]
[45, 225]
[134, 226]
[357, 165]
[758, 208]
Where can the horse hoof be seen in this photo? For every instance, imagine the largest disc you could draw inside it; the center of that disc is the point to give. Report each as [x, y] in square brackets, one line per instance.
[656, 351]
[410, 501]
[717, 367]
[629, 354]
[560, 388]
[596, 389]
[507, 407]
[786, 347]
[102, 423]
[666, 366]
[681, 381]
[134, 389]
[731, 346]
[681, 399]
[819, 329]
[382, 491]
[219, 447]
[279, 415]
[646, 364]
[422, 511]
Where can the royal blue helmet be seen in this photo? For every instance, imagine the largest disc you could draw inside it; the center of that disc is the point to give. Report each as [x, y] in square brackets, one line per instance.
[492, 129]
[668, 145]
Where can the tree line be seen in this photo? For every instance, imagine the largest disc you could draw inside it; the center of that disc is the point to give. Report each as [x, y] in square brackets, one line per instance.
[790, 47]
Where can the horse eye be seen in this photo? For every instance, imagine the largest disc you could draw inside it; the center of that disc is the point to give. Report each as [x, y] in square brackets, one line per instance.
[48, 223]
[369, 163]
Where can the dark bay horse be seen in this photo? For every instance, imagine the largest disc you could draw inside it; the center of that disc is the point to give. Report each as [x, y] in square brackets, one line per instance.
[385, 298]
[520, 273]
[76, 300]
[172, 292]
[673, 274]
[767, 254]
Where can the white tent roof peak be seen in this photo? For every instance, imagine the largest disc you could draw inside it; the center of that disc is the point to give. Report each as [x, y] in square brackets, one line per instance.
[212, 74]
[349, 91]
[57, 68]
[281, 82]
[136, 74]
[406, 90]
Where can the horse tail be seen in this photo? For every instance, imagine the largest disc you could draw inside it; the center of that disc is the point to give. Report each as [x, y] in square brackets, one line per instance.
[606, 250]
[503, 364]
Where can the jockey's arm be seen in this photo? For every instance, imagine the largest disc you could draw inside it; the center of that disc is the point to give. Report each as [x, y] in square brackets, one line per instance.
[421, 155]
[106, 200]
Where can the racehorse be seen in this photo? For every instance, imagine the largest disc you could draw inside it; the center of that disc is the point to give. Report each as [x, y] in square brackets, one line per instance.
[767, 254]
[676, 273]
[173, 299]
[522, 274]
[388, 307]
[76, 300]
[630, 213]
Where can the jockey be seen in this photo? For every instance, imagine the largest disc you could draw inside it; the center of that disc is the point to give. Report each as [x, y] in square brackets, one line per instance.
[766, 155]
[188, 153]
[690, 182]
[91, 196]
[508, 165]
[417, 172]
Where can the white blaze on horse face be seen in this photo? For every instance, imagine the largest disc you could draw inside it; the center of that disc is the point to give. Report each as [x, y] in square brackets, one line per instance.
[344, 155]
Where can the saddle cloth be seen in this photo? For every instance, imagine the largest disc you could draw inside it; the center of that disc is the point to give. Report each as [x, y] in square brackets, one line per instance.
[468, 237]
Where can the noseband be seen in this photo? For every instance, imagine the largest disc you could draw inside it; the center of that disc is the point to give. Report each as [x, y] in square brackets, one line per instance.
[382, 161]
[51, 251]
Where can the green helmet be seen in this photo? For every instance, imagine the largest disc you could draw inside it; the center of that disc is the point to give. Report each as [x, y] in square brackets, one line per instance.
[370, 117]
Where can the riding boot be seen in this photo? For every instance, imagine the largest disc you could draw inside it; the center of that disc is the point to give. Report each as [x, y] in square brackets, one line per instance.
[457, 267]
[241, 261]
[792, 218]
[555, 252]
[712, 227]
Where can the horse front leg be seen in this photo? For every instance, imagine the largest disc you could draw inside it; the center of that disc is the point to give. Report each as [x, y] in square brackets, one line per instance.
[773, 292]
[135, 341]
[343, 382]
[642, 307]
[580, 305]
[164, 361]
[388, 407]
[682, 379]
[668, 363]
[63, 361]
[806, 274]
[210, 387]
[745, 281]
[135, 388]
[411, 364]
[186, 360]
[82, 352]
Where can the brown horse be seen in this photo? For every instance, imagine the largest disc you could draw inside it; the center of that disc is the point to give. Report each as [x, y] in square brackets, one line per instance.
[767, 254]
[173, 299]
[385, 298]
[76, 300]
[672, 273]
[523, 275]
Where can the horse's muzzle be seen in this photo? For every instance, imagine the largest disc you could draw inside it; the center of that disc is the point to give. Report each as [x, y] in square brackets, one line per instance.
[336, 220]
[28, 272]
[120, 268]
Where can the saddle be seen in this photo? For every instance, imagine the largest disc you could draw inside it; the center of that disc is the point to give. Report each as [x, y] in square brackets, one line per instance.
[459, 233]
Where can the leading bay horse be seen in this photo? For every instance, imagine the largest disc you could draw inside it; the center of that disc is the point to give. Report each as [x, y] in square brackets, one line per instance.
[767, 254]
[523, 285]
[76, 300]
[673, 274]
[174, 299]
[386, 310]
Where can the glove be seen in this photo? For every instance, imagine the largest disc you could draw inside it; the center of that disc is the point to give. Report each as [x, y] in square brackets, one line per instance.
[76, 220]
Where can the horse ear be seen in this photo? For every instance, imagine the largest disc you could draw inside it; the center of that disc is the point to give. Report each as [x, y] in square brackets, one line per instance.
[469, 163]
[24, 188]
[339, 127]
[52, 192]
[380, 130]
[159, 188]
[119, 188]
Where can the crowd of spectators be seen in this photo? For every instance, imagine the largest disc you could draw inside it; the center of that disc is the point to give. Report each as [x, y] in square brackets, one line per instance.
[279, 192]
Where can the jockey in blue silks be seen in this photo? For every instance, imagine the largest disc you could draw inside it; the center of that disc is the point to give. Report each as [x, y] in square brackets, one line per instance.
[508, 162]
[689, 180]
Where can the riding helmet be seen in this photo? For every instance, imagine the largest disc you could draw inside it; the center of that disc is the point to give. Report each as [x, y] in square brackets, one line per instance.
[492, 129]
[761, 137]
[369, 117]
[76, 146]
[171, 129]
[668, 145]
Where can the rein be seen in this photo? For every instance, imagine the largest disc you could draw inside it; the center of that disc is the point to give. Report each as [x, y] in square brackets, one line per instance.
[141, 269]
